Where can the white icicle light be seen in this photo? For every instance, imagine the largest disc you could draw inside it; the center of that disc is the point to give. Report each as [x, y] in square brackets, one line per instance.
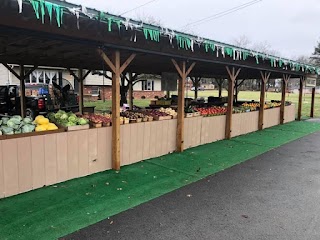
[20, 5]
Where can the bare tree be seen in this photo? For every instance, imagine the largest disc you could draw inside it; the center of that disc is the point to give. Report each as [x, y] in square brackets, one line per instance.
[265, 48]
[145, 18]
[243, 41]
[196, 84]
[221, 84]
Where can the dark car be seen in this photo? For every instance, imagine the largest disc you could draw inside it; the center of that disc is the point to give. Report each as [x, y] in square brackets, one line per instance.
[40, 99]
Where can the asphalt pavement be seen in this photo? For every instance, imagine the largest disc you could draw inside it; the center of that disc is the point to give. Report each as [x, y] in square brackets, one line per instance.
[273, 196]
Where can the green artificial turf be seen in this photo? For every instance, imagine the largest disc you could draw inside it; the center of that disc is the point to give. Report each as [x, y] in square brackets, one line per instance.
[58, 210]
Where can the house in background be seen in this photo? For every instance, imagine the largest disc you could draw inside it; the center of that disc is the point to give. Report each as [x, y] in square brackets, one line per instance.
[93, 84]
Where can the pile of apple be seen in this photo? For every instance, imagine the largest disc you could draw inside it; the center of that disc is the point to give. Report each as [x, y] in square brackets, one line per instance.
[156, 113]
[212, 111]
[252, 106]
[97, 118]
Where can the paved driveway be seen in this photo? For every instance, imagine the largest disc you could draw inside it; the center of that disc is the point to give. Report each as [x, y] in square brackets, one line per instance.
[273, 196]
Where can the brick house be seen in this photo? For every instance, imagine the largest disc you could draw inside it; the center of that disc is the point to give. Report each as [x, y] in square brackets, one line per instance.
[93, 84]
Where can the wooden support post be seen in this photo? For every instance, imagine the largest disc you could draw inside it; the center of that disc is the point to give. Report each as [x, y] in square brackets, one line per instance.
[300, 98]
[312, 102]
[130, 83]
[285, 81]
[233, 74]
[115, 65]
[264, 77]
[181, 87]
[80, 83]
[22, 92]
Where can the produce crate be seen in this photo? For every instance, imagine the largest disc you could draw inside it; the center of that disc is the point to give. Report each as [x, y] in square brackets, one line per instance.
[78, 127]
[196, 114]
[108, 124]
[150, 119]
[126, 121]
[175, 117]
[96, 125]
[121, 122]
[161, 118]
[188, 115]
[145, 119]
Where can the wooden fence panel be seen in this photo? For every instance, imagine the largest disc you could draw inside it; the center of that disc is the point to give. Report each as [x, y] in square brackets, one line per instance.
[289, 114]
[153, 138]
[50, 155]
[93, 151]
[126, 140]
[108, 160]
[38, 162]
[172, 135]
[25, 164]
[73, 155]
[62, 157]
[10, 166]
[236, 124]
[83, 146]
[133, 143]
[164, 142]
[271, 117]
[205, 130]
[2, 189]
[146, 140]
[139, 140]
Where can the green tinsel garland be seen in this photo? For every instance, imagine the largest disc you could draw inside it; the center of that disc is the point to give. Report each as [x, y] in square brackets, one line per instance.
[228, 51]
[183, 42]
[113, 20]
[209, 46]
[40, 6]
[153, 34]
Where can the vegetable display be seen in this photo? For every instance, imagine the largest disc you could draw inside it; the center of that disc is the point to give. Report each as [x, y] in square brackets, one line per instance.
[98, 119]
[169, 111]
[43, 124]
[67, 119]
[212, 111]
[16, 125]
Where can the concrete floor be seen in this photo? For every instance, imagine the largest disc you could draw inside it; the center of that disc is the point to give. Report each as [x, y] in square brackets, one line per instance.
[273, 196]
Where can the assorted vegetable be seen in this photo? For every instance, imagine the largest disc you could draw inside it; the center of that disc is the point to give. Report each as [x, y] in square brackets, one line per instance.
[16, 125]
[67, 119]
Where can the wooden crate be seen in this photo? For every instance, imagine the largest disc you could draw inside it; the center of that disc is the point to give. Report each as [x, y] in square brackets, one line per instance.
[161, 118]
[196, 114]
[188, 115]
[78, 127]
[96, 125]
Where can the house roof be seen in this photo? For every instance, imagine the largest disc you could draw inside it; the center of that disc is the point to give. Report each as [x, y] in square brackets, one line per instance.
[60, 34]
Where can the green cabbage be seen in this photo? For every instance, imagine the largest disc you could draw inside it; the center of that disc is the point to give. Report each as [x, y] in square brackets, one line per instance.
[28, 128]
[73, 119]
[0, 122]
[17, 131]
[64, 116]
[82, 121]
[16, 120]
[12, 124]
[70, 124]
[57, 115]
[5, 120]
[7, 130]
[51, 117]
[27, 120]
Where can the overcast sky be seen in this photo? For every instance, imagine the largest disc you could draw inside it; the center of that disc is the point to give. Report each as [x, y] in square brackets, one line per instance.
[292, 27]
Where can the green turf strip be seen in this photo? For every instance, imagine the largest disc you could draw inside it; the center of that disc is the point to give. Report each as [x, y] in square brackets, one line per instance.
[56, 211]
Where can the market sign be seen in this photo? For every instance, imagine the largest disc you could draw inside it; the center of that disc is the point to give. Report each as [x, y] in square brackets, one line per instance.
[169, 81]
[311, 80]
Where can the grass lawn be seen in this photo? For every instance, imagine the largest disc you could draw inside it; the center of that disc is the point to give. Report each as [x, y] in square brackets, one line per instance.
[244, 95]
